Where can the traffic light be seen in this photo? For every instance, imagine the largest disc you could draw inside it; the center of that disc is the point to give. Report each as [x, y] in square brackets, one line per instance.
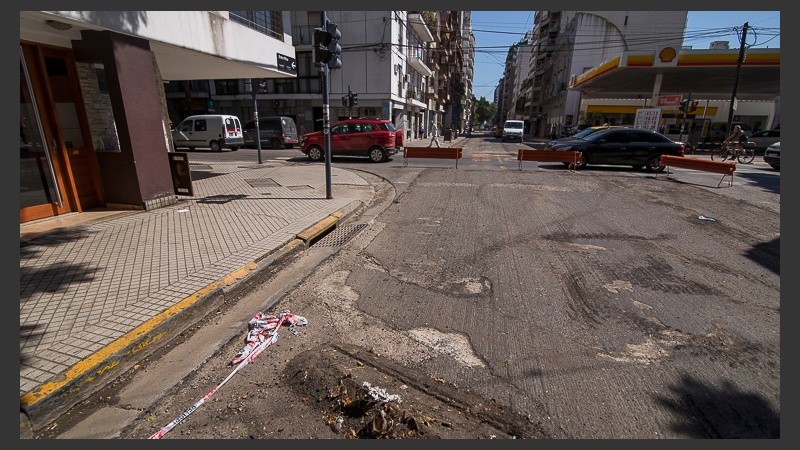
[353, 99]
[326, 46]
[684, 105]
[345, 101]
[693, 106]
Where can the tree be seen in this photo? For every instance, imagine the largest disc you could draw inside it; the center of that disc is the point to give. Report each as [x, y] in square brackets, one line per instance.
[484, 110]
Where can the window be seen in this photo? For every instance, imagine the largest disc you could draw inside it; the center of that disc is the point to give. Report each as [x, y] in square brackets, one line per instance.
[341, 129]
[267, 22]
[226, 87]
[200, 125]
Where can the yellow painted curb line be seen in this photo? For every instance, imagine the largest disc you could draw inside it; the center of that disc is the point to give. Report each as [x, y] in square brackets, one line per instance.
[85, 365]
[320, 227]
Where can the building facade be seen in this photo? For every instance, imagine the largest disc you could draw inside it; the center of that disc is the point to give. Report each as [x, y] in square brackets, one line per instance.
[409, 67]
[565, 44]
[94, 123]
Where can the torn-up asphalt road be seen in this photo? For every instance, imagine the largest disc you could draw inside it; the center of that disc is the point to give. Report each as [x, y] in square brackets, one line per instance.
[542, 304]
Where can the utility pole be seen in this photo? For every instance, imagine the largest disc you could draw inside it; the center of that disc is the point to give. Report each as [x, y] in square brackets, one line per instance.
[738, 70]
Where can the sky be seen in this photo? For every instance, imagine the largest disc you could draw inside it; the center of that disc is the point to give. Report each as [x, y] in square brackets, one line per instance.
[495, 31]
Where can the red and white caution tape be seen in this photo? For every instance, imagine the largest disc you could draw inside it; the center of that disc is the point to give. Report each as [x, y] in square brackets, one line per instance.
[263, 332]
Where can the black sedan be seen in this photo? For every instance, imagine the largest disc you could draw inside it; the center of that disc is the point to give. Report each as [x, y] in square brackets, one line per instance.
[635, 147]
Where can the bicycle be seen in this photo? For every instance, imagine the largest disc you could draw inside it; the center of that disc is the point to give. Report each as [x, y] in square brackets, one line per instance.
[727, 151]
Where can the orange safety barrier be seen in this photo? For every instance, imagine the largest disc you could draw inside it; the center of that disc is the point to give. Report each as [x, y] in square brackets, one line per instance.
[569, 156]
[431, 152]
[705, 165]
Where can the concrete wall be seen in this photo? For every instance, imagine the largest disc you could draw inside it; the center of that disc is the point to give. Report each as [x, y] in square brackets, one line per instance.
[209, 32]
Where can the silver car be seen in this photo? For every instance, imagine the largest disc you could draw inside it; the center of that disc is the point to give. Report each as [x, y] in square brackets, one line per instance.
[772, 155]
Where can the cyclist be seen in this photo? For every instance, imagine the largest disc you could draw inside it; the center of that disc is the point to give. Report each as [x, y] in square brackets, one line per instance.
[737, 138]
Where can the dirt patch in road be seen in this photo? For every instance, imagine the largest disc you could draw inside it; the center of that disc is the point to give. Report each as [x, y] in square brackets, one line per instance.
[358, 394]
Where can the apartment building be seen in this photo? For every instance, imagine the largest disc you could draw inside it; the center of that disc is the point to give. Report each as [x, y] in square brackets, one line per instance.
[94, 126]
[405, 66]
[568, 43]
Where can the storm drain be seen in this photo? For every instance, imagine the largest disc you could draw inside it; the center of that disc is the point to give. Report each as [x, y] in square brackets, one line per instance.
[340, 235]
[220, 199]
[302, 187]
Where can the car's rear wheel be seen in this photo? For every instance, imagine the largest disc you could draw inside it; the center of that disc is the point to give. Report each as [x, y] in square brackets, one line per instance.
[377, 154]
[275, 143]
[289, 145]
[776, 166]
[234, 148]
[215, 147]
[654, 164]
[315, 153]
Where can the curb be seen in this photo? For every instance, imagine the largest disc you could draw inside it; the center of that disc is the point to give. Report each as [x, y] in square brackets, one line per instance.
[51, 399]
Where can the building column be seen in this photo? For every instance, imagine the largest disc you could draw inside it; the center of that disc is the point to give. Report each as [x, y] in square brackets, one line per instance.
[139, 175]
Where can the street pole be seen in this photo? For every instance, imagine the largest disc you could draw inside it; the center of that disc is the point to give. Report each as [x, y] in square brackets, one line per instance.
[255, 117]
[326, 120]
[349, 102]
[738, 71]
[683, 122]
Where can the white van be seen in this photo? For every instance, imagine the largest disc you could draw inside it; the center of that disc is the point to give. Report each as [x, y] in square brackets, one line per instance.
[513, 129]
[214, 131]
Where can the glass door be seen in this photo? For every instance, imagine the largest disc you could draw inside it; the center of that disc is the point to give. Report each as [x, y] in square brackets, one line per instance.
[38, 191]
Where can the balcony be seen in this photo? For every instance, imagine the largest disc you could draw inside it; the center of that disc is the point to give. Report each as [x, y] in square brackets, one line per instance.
[418, 25]
[419, 66]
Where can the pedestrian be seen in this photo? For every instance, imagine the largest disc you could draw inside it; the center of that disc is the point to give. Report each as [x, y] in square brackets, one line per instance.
[434, 135]
[302, 130]
[422, 131]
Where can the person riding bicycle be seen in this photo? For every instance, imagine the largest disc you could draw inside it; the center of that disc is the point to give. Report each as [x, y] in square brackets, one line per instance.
[738, 138]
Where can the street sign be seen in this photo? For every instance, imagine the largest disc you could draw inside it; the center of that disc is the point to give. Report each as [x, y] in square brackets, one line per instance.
[287, 64]
[669, 100]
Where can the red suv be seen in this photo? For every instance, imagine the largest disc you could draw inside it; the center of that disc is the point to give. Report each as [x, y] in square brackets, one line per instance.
[376, 139]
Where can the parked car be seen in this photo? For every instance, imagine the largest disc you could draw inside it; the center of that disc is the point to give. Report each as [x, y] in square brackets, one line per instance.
[376, 139]
[763, 139]
[772, 155]
[275, 131]
[215, 131]
[635, 147]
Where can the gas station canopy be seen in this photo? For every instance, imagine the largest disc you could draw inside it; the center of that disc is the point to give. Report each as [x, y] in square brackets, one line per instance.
[707, 74]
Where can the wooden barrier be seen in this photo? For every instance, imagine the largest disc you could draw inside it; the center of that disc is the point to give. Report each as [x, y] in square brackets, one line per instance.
[570, 157]
[432, 152]
[705, 165]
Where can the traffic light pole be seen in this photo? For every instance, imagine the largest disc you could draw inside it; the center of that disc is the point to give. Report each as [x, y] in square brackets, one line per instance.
[685, 109]
[255, 117]
[326, 120]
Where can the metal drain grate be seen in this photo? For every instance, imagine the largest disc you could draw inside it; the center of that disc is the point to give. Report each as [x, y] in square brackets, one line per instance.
[220, 199]
[340, 235]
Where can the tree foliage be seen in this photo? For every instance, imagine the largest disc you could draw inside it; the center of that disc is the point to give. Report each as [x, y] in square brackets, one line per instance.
[484, 111]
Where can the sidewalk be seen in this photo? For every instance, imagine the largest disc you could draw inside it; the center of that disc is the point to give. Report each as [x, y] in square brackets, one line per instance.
[92, 294]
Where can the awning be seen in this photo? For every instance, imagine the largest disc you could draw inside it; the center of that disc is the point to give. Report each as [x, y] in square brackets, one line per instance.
[707, 74]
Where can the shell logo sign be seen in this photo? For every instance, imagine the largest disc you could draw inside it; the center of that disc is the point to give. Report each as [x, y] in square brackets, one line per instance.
[667, 56]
